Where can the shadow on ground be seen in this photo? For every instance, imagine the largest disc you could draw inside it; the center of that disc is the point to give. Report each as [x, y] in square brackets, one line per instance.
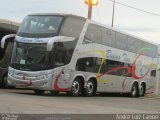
[60, 94]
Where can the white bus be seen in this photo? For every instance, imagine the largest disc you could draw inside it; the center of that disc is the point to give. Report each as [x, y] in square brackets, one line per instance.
[56, 52]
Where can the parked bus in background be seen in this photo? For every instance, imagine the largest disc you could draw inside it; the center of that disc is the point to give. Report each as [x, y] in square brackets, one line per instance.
[54, 52]
[4, 61]
[6, 27]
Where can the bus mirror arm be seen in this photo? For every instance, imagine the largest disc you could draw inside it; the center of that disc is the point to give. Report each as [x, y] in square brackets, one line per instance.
[5, 38]
[58, 39]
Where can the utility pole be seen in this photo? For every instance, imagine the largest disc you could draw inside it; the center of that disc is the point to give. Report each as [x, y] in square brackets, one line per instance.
[91, 3]
[113, 12]
[89, 9]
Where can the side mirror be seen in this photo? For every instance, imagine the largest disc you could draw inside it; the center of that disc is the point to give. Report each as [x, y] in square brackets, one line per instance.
[5, 38]
[51, 42]
[58, 39]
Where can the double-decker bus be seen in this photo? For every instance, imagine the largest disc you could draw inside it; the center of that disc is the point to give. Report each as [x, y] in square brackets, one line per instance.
[6, 27]
[57, 52]
[4, 61]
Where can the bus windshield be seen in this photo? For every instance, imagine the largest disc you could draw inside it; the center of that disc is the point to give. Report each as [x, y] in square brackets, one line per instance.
[30, 56]
[40, 26]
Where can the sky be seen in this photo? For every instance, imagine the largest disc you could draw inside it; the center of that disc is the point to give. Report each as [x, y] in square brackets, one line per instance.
[140, 24]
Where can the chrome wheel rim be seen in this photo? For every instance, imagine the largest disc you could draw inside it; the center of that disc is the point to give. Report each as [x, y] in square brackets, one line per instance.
[141, 90]
[90, 87]
[75, 86]
[134, 91]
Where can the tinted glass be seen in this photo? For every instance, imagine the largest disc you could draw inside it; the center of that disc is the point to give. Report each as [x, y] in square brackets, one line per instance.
[93, 34]
[91, 64]
[108, 37]
[62, 53]
[153, 73]
[30, 57]
[121, 41]
[72, 27]
[85, 64]
[40, 26]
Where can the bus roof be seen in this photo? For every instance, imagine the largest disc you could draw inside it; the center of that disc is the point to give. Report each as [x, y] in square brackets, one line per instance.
[122, 32]
[94, 22]
[58, 14]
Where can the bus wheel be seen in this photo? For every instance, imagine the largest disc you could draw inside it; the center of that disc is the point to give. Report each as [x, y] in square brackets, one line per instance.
[54, 92]
[5, 82]
[76, 87]
[141, 90]
[39, 92]
[90, 89]
[134, 90]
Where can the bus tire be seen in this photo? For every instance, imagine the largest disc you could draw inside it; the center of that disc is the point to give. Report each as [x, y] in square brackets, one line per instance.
[76, 87]
[142, 90]
[134, 90]
[39, 92]
[90, 89]
[5, 82]
[54, 92]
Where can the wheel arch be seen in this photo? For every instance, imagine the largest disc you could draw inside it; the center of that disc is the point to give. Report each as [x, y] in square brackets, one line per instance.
[134, 82]
[93, 78]
[142, 83]
[3, 74]
[80, 76]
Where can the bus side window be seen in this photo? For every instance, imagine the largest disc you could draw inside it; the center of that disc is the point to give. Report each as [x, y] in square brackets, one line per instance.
[5, 54]
[97, 65]
[80, 66]
[128, 73]
[108, 37]
[93, 34]
[85, 64]
[60, 56]
[121, 41]
[72, 27]
[153, 73]
[110, 65]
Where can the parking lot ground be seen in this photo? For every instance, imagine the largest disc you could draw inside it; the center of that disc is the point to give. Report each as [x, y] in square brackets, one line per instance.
[26, 102]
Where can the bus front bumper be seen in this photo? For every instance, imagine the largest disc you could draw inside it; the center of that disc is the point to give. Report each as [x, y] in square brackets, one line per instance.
[32, 84]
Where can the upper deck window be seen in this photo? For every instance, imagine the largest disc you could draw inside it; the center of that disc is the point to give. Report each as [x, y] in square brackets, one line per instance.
[72, 27]
[93, 34]
[40, 26]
